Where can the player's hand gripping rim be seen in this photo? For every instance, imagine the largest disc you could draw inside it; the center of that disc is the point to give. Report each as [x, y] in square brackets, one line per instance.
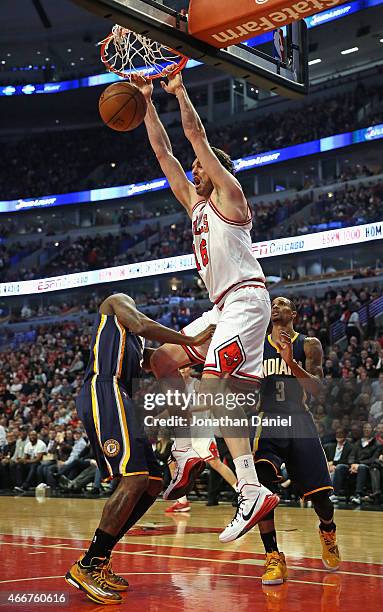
[144, 85]
[175, 81]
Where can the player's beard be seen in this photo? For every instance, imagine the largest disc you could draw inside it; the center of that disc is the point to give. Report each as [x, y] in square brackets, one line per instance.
[204, 188]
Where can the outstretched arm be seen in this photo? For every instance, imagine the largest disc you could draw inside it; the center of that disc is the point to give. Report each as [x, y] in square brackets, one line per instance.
[228, 189]
[124, 308]
[182, 188]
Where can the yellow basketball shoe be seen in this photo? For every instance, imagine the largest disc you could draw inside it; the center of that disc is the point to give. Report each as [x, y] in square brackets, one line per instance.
[114, 581]
[275, 568]
[91, 580]
[330, 551]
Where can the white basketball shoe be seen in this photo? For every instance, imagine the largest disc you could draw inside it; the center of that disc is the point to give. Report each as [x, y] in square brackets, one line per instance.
[189, 466]
[254, 502]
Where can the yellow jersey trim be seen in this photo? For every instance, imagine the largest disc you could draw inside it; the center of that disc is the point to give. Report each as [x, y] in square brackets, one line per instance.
[121, 349]
[101, 326]
[258, 433]
[271, 341]
[96, 420]
[124, 428]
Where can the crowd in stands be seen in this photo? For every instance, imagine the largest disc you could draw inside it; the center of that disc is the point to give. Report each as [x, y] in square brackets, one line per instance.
[12, 254]
[95, 252]
[56, 222]
[350, 412]
[42, 442]
[52, 223]
[103, 251]
[76, 307]
[347, 206]
[351, 205]
[63, 161]
[83, 254]
[27, 311]
[170, 309]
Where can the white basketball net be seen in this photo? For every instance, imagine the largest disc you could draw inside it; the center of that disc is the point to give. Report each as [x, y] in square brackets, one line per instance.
[126, 52]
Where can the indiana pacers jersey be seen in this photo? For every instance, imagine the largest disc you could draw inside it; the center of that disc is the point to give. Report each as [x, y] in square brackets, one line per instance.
[280, 390]
[296, 445]
[104, 404]
[115, 353]
[223, 251]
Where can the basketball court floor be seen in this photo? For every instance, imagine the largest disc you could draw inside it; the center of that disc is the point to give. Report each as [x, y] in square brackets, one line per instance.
[177, 563]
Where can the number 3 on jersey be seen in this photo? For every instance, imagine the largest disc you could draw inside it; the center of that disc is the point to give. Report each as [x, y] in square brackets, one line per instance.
[280, 391]
[203, 253]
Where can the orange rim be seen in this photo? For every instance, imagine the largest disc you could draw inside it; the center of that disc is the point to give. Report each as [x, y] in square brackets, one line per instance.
[183, 60]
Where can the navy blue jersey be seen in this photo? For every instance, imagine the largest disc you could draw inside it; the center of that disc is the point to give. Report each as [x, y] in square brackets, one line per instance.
[114, 352]
[280, 390]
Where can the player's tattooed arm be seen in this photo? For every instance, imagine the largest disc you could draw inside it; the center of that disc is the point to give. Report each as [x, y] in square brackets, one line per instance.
[182, 188]
[309, 378]
[314, 357]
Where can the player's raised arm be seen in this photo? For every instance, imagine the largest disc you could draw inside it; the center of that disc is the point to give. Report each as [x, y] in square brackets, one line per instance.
[182, 188]
[228, 190]
[309, 378]
[123, 306]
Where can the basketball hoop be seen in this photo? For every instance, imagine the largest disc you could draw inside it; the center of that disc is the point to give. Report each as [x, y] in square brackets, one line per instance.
[125, 53]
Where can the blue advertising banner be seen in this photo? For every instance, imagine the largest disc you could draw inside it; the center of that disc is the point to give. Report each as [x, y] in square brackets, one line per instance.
[243, 163]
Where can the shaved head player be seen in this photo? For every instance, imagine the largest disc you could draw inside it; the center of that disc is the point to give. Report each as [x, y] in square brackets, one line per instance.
[221, 222]
[292, 365]
[120, 447]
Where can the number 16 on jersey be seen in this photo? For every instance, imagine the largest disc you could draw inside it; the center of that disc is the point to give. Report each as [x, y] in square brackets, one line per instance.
[203, 253]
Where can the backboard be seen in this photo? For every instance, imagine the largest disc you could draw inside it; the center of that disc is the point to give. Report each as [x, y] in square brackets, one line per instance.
[157, 20]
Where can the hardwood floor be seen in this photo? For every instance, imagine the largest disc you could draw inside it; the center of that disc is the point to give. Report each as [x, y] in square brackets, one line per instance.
[176, 562]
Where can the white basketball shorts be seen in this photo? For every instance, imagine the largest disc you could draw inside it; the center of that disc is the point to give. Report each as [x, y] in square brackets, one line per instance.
[236, 348]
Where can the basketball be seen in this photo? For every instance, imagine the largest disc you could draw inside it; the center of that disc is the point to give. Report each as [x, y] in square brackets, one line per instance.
[122, 106]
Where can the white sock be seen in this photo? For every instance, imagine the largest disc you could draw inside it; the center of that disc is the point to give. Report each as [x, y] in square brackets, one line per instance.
[183, 443]
[245, 469]
[183, 500]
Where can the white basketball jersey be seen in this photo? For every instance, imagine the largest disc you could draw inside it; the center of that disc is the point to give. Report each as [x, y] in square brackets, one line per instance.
[223, 251]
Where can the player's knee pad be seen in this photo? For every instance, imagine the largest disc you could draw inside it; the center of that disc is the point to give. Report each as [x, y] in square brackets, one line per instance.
[322, 504]
[266, 473]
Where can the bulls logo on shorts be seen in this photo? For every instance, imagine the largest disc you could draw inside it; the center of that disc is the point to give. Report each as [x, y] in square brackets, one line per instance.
[230, 357]
[111, 448]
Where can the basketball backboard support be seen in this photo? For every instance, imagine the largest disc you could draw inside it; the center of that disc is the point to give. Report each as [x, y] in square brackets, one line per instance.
[161, 23]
